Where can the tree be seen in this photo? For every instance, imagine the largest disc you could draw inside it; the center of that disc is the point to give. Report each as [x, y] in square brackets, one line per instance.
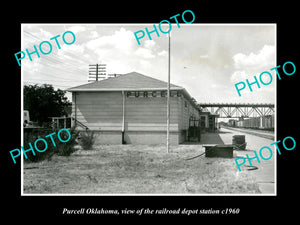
[44, 102]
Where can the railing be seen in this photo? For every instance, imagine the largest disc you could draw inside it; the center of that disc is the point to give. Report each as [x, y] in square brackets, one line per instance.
[77, 122]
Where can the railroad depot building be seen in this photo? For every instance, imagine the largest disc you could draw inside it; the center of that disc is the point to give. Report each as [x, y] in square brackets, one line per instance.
[132, 108]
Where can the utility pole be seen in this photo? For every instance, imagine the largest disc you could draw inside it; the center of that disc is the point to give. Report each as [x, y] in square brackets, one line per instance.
[168, 95]
[97, 72]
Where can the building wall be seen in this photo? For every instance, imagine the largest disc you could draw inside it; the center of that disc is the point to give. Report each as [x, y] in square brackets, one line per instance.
[183, 107]
[145, 118]
[98, 111]
[187, 110]
[151, 137]
[150, 114]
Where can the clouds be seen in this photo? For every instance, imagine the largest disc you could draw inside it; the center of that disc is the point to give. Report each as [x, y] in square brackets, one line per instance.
[121, 39]
[254, 63]
[145, 53]
[114, 45]
[162, 53]
[76, 29]
[206, 60]
[264, 58]
[240, 75]
[120, 46]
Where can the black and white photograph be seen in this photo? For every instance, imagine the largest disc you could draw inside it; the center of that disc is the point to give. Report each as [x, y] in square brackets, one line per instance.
[147, 109]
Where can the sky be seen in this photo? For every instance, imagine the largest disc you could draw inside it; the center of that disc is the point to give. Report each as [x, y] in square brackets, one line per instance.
[206, 59]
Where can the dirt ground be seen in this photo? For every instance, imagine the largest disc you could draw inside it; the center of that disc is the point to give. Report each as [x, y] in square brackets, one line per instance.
[137, 169]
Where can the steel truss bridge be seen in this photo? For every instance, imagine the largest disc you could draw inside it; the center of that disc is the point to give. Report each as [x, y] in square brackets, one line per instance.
[230, 110]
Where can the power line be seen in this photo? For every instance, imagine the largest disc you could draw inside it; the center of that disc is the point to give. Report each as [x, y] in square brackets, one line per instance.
[67, 63]
[53, 59]
[54, 85]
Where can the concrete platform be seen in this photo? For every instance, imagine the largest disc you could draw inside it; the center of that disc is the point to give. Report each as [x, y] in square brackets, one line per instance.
[266, 172]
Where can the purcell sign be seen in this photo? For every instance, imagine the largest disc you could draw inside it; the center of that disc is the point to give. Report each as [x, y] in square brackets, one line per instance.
[146, 94]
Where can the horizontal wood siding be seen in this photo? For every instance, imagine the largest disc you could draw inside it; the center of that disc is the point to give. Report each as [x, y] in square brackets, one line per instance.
[150, 114]
[103, 111]
[99, 110]
[186, 110]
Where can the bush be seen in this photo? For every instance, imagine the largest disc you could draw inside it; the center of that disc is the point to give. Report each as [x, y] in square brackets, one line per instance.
[87, 140]
[67, 148]
[30, 136]
[61, 148]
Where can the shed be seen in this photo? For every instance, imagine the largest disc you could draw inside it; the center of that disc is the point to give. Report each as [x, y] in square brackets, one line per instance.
[132, 108]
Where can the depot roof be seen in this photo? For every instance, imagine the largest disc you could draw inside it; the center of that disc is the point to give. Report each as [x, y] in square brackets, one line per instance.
[127, 82]
[130, 82]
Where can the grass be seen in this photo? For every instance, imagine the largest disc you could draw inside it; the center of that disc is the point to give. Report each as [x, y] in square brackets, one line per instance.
[137, 169]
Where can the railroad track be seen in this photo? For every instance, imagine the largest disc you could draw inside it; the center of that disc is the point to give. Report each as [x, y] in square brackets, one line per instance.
[268, 136]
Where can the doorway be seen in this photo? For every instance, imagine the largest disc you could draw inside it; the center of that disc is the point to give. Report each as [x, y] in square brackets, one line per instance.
[194, 133]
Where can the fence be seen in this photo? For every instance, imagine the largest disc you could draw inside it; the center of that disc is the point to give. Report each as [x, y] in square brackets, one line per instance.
[61, 122]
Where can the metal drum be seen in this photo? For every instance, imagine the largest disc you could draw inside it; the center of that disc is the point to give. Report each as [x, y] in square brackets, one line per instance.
[239, 142]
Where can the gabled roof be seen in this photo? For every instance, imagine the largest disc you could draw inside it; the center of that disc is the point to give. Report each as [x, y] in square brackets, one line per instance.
[128, 82]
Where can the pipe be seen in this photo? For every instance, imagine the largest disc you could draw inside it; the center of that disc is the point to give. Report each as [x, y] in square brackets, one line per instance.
[123, 118]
